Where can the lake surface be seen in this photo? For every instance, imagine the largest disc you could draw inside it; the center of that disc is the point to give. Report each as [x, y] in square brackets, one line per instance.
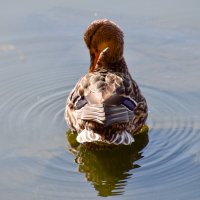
[42, 55]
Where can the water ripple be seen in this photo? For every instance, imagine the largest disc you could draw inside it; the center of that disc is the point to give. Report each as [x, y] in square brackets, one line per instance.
[33, 141]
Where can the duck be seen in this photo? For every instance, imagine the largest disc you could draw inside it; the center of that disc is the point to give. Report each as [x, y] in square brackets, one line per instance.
[106, 105]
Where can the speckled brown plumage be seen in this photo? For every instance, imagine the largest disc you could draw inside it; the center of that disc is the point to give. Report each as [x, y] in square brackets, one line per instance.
[106, 104]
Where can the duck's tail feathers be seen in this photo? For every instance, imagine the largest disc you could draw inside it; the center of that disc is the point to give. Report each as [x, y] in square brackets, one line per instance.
[121, 138]
[118, 138]
[88, 136]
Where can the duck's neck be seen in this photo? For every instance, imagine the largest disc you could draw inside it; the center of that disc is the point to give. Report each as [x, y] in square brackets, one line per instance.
[118, 66]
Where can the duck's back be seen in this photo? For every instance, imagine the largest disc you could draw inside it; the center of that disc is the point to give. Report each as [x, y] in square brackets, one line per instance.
[102, 105]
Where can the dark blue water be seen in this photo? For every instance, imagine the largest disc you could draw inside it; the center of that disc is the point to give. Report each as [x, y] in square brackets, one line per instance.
[42, 55]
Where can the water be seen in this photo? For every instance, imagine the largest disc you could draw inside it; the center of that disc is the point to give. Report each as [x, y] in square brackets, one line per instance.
[42, 55]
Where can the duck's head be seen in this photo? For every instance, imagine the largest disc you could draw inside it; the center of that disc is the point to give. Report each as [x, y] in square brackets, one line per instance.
[104, 37]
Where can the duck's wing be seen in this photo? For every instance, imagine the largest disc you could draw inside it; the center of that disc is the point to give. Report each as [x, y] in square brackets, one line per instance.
[70, 114]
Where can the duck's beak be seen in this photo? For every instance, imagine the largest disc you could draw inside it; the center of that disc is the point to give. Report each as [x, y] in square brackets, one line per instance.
[96, 56]
[93, 60]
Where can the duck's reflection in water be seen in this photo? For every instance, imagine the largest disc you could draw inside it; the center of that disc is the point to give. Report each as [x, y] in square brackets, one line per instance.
[108, 168]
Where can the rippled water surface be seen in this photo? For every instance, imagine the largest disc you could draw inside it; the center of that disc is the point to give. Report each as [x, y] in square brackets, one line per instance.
[42, 55]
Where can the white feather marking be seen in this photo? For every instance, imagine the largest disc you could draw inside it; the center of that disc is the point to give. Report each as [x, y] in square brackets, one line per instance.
[115, 138]
[126, 140]
[88, 136]
[121, 138]
[131, 139]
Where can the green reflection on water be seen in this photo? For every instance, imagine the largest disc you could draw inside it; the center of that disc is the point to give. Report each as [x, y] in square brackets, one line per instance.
[108, 167]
